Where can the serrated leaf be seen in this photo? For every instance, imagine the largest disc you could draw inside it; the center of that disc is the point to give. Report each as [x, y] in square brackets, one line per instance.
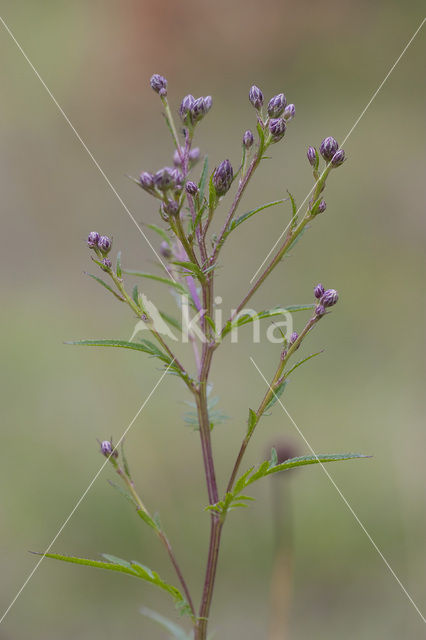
[132, 568]
[106, 286]
[122, 344]
[171, 283]
[190, 268]
[118, 269]
[319, 459]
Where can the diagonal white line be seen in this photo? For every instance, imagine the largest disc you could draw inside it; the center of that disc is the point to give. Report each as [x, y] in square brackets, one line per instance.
[84, 494]
[345, 139]
[86, 148]
[343, 497]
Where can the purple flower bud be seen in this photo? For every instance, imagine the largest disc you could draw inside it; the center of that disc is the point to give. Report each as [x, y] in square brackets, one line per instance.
[107, 449]
[248, 139]
[222, 177]
[165, 250]
[338, 158]
[289, 112]
[207, 103]
[186, 106]
[277, 127]
[313, 157]
[276, 106]
[293, 337]
[164, 179]
[329, 298]
[191, 188]
[93, 239]
[170, 208]
[107, 264]
[147, 180]
[328, 148]
[319, 291]
[322, 206]
[104, 244]
[159, 84]
[319, 310]
[256, 97]
[198, 110]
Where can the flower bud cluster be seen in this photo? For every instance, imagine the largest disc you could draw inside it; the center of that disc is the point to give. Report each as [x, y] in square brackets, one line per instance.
[192, 110]
[279, 113]
[329, 149]
[102, 243]
[326, 298]
[166, 185]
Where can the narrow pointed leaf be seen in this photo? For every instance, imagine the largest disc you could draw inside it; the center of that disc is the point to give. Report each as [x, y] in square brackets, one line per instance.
[106, 286]
[245, 216]
[171, 283]
[118, 269]
[160, 232]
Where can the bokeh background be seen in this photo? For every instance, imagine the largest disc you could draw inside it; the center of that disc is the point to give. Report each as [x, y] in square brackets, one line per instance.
[366, 393]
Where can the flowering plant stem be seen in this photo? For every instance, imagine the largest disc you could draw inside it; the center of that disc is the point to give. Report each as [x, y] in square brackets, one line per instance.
[192, 267]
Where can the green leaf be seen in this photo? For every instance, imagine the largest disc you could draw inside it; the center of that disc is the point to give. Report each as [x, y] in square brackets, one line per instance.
[147, 519]
[252, 420]
[132, 568]
[170, 320]
[274, 457]
[171, 283]
[203, 178]
[277, 394]
[298, 364]
[191, 268]
[320, 459]
[118, 265]
[106, 286]
[177, 632]
[245, 216]
[294, 210]
[213, 199]
[123, 344]
[135, 294]
[247, 318]
[160, 232]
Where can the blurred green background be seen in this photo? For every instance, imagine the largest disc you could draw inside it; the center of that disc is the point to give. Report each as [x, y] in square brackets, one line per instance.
[366, 393]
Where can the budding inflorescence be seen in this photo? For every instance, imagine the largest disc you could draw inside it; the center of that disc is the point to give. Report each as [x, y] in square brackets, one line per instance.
[326, 298]
[159, 84]
[101, 244]
[107, 449]
[192, 110]
[222, 177]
